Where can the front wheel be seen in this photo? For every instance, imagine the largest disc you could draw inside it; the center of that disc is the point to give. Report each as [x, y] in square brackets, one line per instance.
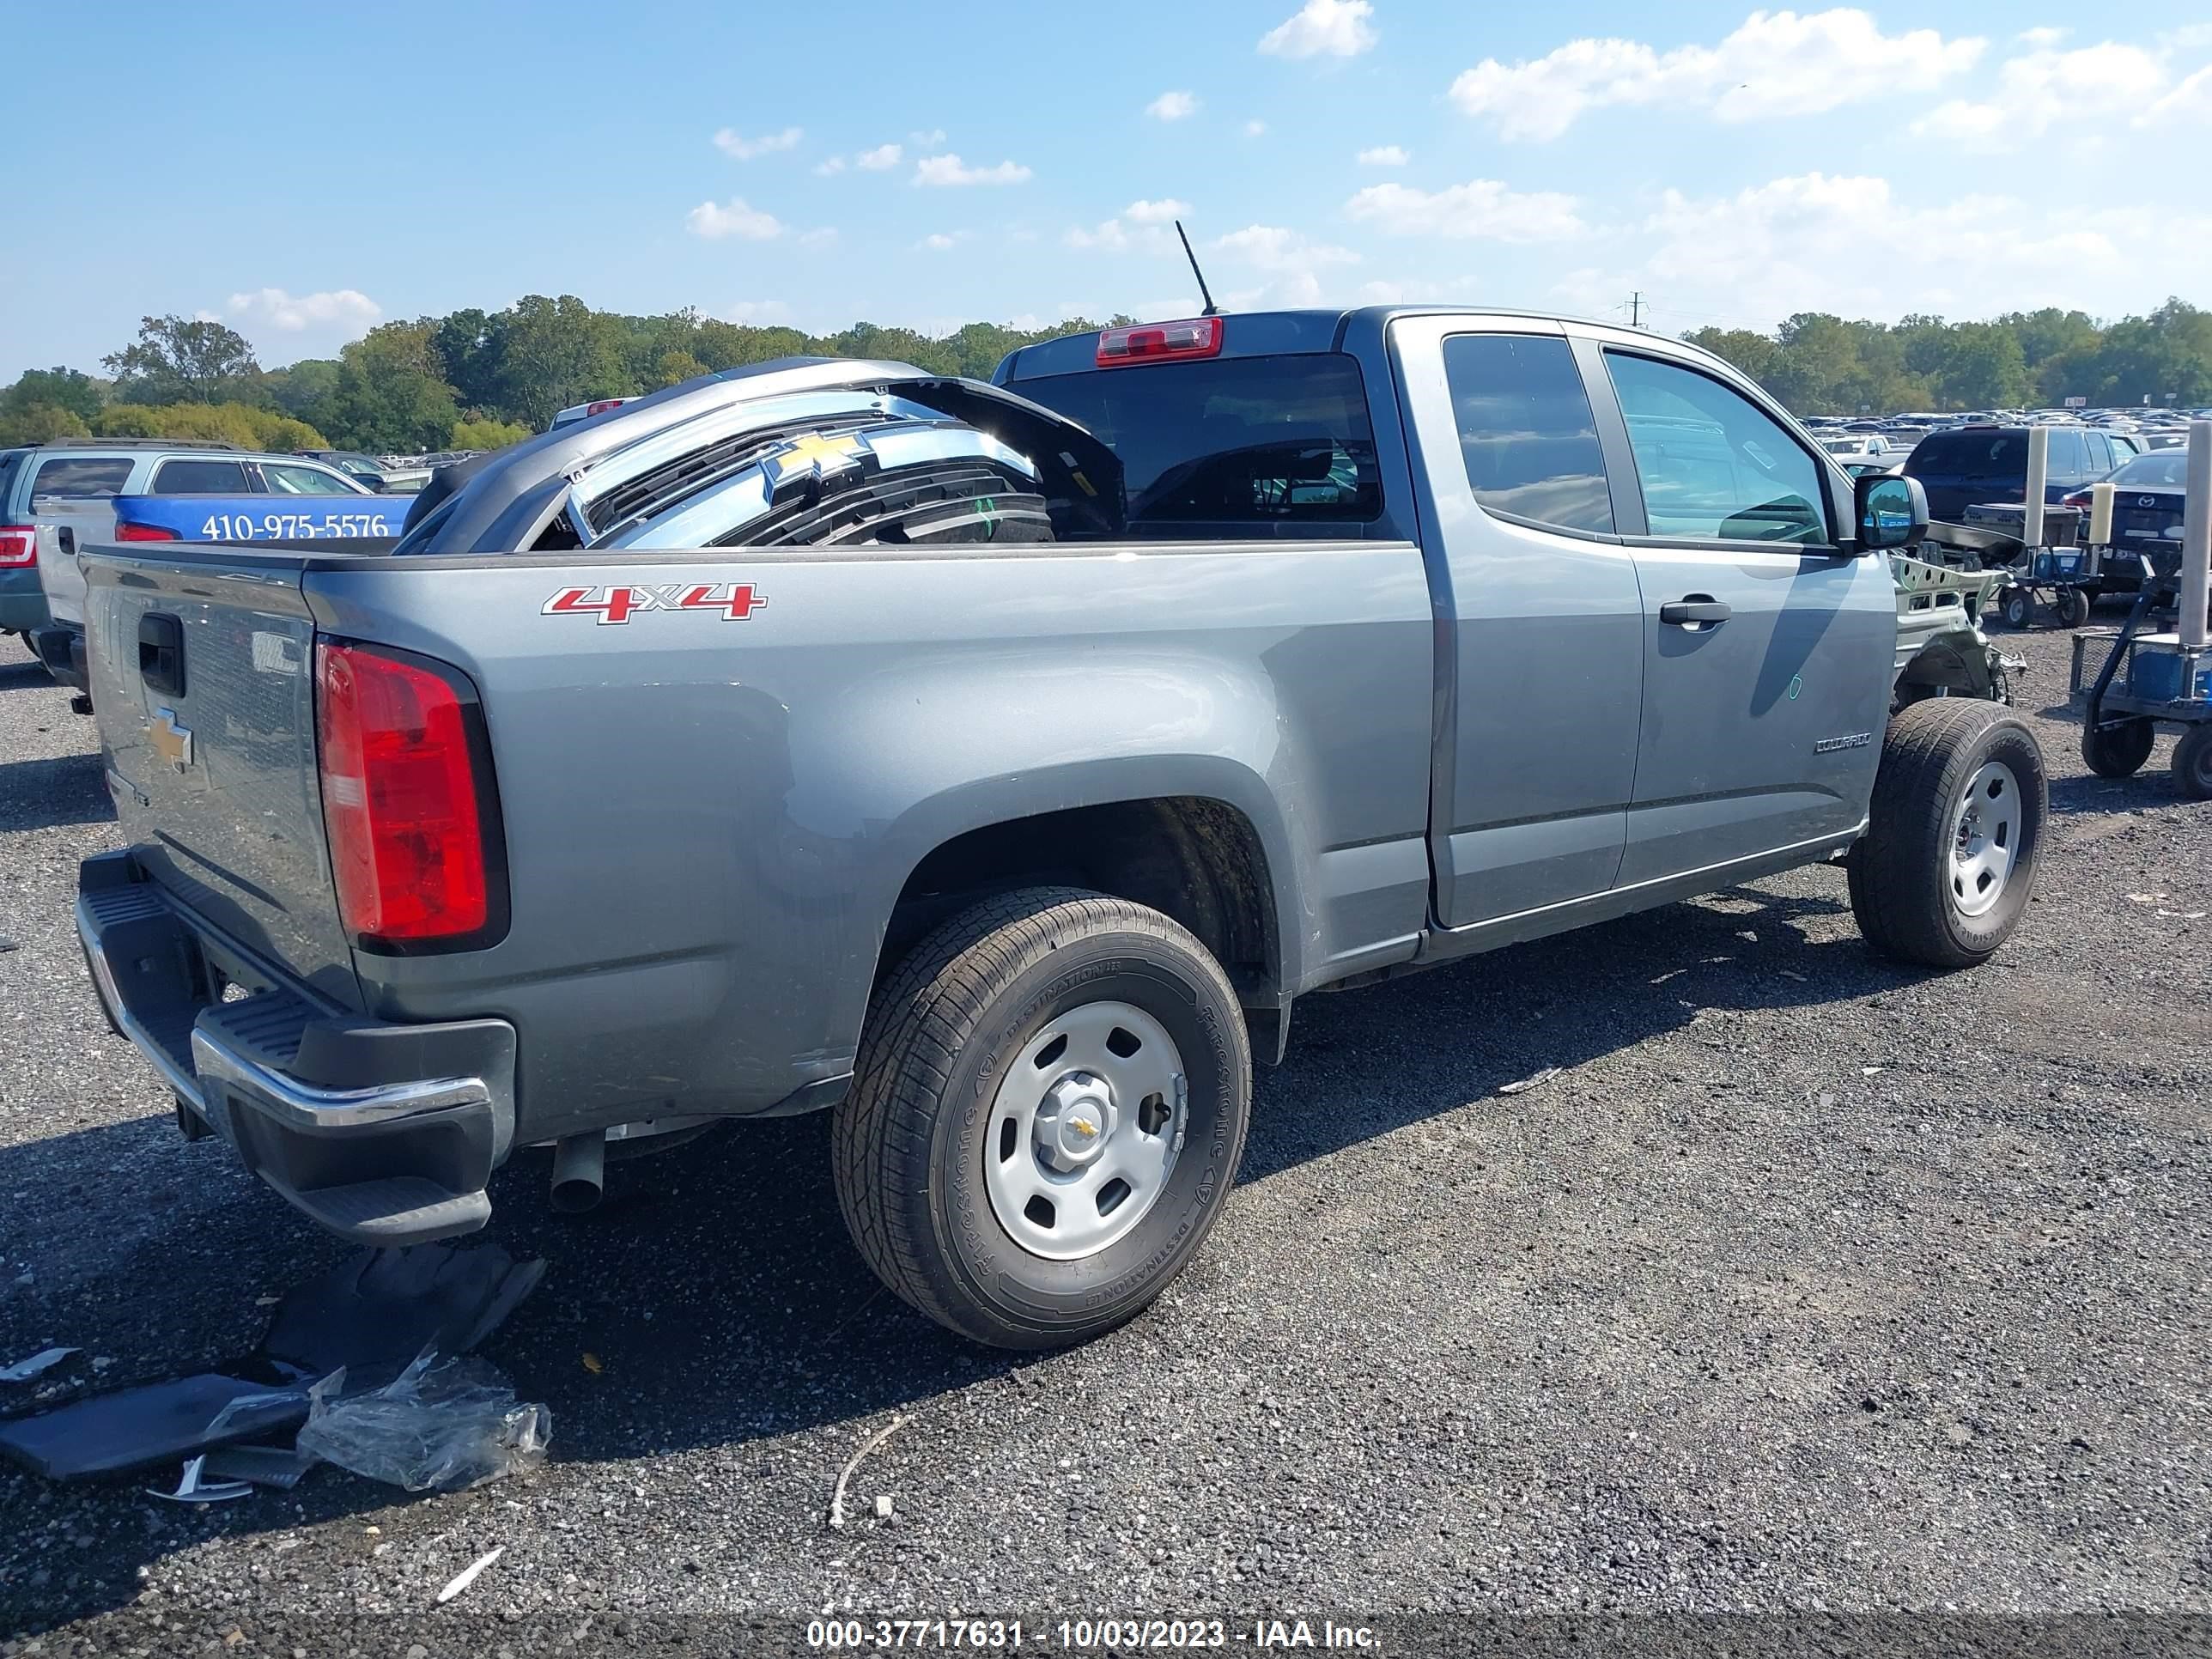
[1049, 1105]
[2192, 761]
[2073, 607]
[2019, 607]
[1943, 873]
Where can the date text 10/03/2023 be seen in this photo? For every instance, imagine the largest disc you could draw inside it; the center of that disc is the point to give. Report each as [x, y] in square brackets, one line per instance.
[1081, 1635]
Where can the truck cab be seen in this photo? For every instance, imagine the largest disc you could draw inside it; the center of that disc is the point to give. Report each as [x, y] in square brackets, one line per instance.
[1635, 546]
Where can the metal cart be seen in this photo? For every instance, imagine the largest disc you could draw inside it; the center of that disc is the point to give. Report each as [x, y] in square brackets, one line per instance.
[2145, 677]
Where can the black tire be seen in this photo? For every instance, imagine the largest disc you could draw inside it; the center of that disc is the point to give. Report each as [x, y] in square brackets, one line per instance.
[1902, 872]
[2073, 607]
[2192, 761]
[910, 1141]
[2117, 749]
[2018, 607]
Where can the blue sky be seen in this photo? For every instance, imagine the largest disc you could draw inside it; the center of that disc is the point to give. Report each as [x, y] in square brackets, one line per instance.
[304, 173]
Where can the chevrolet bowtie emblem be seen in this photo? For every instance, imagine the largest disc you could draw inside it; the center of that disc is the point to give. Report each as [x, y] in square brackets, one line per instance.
[815, 455]
[172, 742]
[1084, 1126]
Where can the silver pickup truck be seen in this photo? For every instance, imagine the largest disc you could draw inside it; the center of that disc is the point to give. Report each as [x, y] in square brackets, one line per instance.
[997, 765]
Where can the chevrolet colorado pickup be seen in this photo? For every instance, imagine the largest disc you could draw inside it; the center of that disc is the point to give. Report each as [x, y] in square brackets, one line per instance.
[997, 765]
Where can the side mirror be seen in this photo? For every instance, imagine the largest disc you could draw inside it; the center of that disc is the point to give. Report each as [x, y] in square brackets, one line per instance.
[1891, 510]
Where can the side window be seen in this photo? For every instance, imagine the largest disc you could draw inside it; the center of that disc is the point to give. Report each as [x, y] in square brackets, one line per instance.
[1525, 431]
[293, 480]
[2067, 458]
[80, 478]
[199, 477]
[1713, 464]
[2100, 453]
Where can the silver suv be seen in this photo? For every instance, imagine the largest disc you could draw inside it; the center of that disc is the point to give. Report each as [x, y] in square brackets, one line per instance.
[46, 489]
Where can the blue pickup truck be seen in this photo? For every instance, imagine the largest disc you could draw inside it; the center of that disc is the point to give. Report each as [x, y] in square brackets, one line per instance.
[997, 766]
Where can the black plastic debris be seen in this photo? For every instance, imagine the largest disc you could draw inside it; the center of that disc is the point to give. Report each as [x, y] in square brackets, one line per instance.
[369, 1319]
[133, 1429]
[373, 1313]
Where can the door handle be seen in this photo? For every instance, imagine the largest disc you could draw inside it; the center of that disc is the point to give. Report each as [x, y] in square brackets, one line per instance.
[1698, 608]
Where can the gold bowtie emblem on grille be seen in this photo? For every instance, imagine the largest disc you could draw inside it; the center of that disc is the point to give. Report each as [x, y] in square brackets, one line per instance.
[817, 453]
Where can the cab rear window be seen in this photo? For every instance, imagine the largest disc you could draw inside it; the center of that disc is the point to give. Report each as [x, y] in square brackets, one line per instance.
[1282, 439]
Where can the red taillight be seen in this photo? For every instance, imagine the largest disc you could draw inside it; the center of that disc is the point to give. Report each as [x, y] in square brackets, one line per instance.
[1159, 342]
[602, 405]
[400, 803]
[144, 532]
[19, 545]
[2079, 498]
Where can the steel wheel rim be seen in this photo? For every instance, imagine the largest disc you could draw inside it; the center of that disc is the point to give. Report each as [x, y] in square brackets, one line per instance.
[1986, 827]
[1085, 1130]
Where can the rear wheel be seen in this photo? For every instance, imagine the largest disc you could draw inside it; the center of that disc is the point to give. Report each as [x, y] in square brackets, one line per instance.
[1944, 871]
[1049, 1105]
[2193, 763]
[2117, 749]
[2073, 607]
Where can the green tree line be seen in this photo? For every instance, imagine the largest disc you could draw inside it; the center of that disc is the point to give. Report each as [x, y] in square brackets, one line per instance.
[476, 380]
[471, 379]
[1818, 364]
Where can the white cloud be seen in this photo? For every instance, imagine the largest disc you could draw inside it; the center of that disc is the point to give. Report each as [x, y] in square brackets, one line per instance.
[1254, 129]
[1173, 107]
[938, 241]
[1848, 245]
[835, 165]
[758, 311]
[821, 236]
[881, 159]
[2043, 86]
[1479, 208]
[1108, 234]
[2191, 101]
[732, 144]
[929, 140]
[715, 220]
[348, 309]
[1384, 156]
[1155, 213]
[1332, 28]
[1272, 247]
[949, 170]
[1776, 63]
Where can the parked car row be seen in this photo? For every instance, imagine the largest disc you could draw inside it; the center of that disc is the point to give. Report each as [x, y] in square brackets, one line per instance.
[55, 496]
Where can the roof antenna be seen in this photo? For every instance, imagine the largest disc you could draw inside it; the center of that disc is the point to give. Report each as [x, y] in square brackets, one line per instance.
[1212, 309]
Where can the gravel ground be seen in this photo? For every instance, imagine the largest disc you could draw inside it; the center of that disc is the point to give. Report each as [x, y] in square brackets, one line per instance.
[1807, 1283]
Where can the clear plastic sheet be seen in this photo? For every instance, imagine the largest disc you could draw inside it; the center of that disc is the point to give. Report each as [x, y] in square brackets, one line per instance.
[445, 1423]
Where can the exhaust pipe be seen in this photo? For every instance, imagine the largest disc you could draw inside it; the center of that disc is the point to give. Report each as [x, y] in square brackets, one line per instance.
[580, 1172]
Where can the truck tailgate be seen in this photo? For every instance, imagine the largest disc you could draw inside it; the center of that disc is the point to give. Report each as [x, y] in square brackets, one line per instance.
[202, 680]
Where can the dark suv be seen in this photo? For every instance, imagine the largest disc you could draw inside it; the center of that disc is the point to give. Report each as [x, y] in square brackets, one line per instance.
[1975, 466]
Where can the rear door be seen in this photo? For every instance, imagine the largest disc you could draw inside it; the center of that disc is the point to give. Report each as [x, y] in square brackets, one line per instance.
[1540, 691]
[1766, 645]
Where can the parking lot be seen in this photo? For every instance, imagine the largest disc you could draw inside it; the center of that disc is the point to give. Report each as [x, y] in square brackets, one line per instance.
[1806, 1282]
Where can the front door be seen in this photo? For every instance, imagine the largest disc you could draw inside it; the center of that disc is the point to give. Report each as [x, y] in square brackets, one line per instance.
[1767, 646]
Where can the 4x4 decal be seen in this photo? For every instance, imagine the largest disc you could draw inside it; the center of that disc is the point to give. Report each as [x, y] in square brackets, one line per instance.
[617, 604]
